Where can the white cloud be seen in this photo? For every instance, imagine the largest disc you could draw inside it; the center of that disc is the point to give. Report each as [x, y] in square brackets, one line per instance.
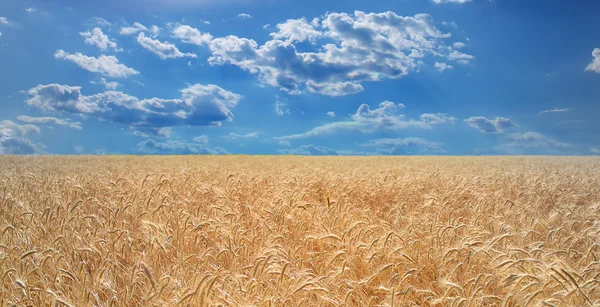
[13, 138]
[351, 49]
[296, 30]
[164, 50]
[191, 35]
[533, 142]
[109, 86]
[199, 105]
[4, 21]
[403, 146]
[105, 65]
[244, 16]
[50, 121]
[235, 136]
[97, 38]
[164, 132]
[30, 10]
[137, 27]
[460, 57]
[442, 66]
[285, 143]
[556, 110]
[154, 30]
[485, 125]
[281, 108]
[202, 139]
[177, 147]
[595, 65]
[437, 118]
[384, 118]
[79, 149]
[331, 114]
[99, 21]
[450, 1]
[459, 45]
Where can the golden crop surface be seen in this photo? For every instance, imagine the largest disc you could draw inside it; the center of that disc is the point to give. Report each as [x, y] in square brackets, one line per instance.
[299, 231]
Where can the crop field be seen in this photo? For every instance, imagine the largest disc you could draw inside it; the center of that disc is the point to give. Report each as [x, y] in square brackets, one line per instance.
[299, 231]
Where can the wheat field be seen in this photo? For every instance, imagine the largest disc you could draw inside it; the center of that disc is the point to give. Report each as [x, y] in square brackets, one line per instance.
[299, 231]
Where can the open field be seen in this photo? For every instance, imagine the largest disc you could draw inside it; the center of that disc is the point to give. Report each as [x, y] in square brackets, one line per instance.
[299, 231]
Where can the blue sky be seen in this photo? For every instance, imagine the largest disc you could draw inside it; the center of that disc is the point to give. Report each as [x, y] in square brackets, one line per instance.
[406, 77]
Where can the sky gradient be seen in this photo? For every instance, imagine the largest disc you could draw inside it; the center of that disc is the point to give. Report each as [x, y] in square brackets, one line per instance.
[407, 77]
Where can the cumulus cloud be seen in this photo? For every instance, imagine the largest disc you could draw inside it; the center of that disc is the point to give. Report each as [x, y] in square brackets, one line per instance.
[296, 30]
[13, 138]
[135, 28]
[199, 105]
[244, 16]
[595, 65]
[177, 147]
[191, 35]
[46, 120]
[383, 118]
[403, 146]
[163, 50]
[309, 150]
[97, 38]
[533, 142]
[442, 66]
[235, 136]
[556, 110]
[331, 114]
[485, 125]
[106, 65]
[347, 50]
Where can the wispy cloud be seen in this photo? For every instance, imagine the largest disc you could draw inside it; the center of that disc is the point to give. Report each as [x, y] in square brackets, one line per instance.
[46, 120]
[533, 142]
[555, 110]
[244, 16]
[402, 146]
[106, 65]
[177, 147]
[490, 126]
[235, 136]
[442, 66]
[385, 117]
[163, 50]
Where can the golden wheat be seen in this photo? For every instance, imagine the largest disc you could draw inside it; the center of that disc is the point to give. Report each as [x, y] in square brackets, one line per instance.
[299, 231]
